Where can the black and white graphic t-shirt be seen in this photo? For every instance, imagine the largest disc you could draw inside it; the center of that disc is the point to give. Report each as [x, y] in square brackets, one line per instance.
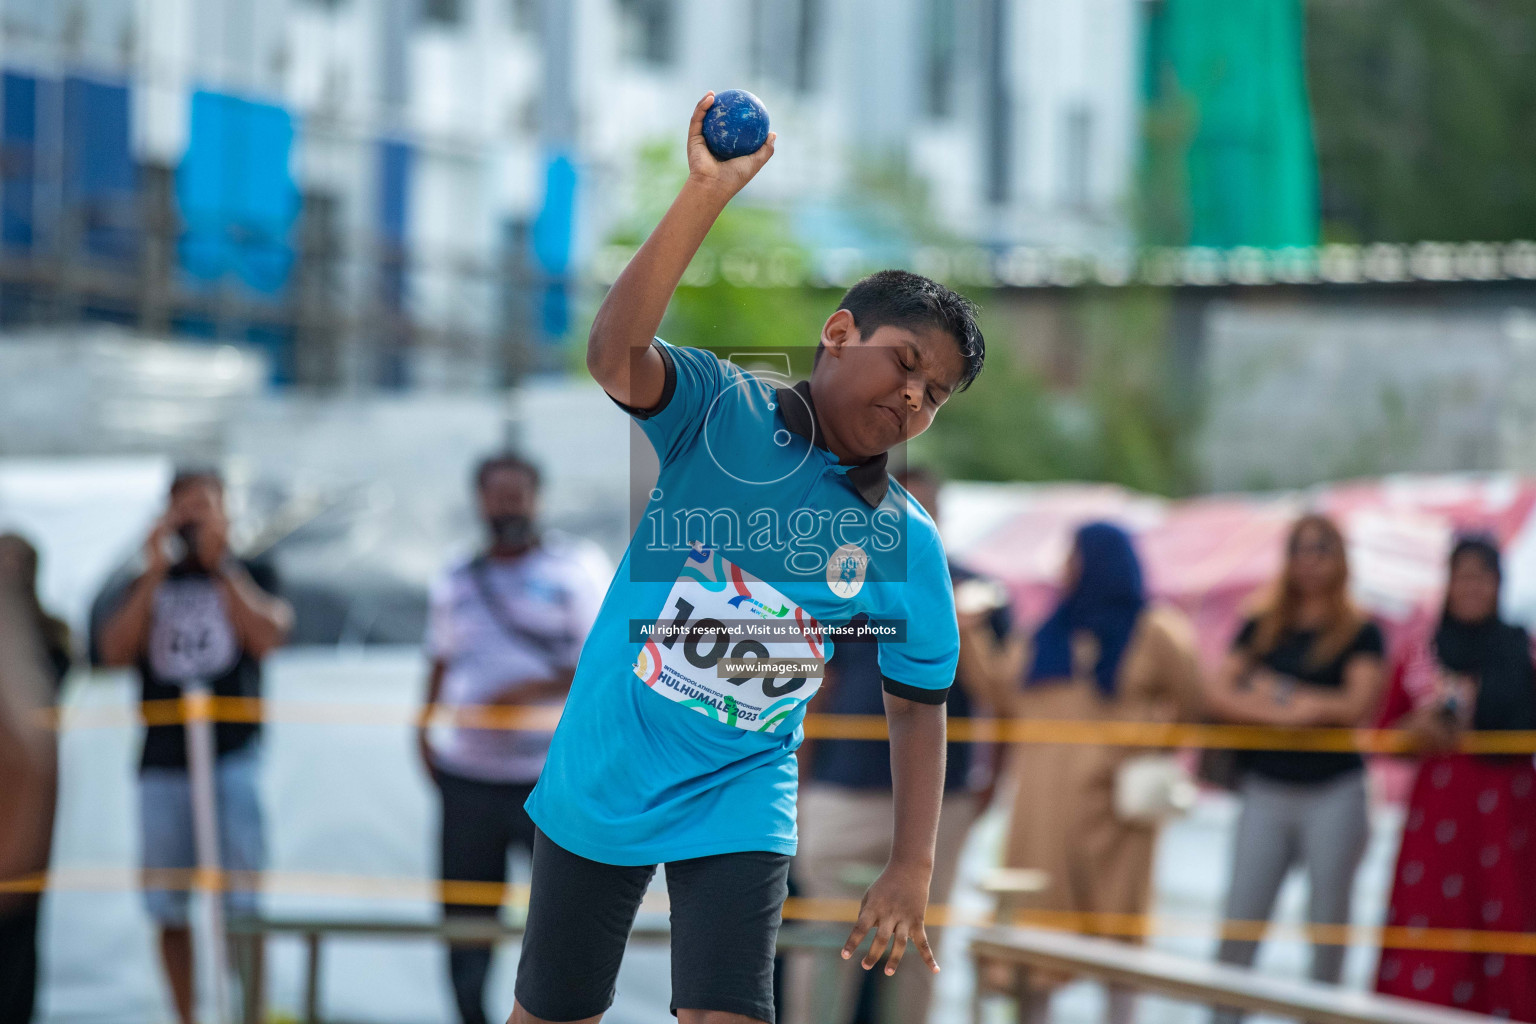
[191, 637]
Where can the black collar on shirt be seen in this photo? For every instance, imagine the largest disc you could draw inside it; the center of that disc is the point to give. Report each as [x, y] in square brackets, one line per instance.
[869, 478]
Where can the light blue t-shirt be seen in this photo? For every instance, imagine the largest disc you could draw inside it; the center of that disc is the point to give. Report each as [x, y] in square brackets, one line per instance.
[755, 542]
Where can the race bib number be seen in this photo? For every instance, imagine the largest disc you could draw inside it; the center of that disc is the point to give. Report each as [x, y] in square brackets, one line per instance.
[714, 611]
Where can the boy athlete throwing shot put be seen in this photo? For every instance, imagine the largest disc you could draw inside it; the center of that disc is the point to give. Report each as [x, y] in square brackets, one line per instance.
[773, 516]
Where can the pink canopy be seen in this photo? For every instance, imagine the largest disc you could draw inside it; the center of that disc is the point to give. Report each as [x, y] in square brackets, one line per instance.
[1208, 555]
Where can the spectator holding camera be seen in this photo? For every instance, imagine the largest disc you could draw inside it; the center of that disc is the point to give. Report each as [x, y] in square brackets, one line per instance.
[1470, 829]
[197, 612]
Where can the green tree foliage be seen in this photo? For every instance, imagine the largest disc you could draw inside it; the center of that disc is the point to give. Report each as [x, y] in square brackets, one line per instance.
[1425, 115]
[1118, 423]
[1160, 205]
[1122, 422]
[716, 306]
[1003, 427]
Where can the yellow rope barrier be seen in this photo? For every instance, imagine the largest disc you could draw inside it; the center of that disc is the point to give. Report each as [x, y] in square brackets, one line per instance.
[819, 726]
[851, 727]
[827, 911]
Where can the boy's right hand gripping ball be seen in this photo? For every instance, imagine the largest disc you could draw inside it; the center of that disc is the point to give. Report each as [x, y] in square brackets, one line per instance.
[736, 125]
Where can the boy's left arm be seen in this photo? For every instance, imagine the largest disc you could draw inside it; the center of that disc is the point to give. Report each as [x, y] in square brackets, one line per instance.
[894, 906]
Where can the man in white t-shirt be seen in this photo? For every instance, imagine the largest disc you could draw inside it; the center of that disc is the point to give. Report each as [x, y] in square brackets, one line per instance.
[505, 629]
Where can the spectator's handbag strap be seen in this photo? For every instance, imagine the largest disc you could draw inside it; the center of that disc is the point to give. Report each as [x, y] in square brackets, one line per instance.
[554, 647]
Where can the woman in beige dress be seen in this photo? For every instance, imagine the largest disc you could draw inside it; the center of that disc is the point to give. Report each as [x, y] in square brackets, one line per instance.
[1105, 654]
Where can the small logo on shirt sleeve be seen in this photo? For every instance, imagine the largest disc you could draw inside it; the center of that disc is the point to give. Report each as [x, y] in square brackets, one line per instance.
[846, 569]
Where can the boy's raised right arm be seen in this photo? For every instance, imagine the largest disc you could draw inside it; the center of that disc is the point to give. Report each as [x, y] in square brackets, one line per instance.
[619, 352]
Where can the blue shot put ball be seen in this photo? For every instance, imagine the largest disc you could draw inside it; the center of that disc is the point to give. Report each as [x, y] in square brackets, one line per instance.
[736, 125]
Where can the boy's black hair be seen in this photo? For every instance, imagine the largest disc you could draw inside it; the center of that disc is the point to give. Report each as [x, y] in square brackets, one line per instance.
[899, 298]
[185, 476]
[507, 460]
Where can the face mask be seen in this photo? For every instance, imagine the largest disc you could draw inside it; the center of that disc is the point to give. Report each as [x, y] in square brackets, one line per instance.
[511, 531]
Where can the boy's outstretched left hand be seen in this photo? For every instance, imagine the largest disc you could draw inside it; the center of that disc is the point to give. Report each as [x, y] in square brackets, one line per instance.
[730, 175]
[893, 909]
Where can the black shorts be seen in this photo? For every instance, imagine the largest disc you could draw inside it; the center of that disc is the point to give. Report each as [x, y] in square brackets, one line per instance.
[725, 921]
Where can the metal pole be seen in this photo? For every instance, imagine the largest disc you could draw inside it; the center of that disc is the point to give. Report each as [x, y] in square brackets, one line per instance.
[205, 830]
[312, 979]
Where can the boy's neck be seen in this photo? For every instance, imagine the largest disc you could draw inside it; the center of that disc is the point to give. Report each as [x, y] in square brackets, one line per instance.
[833, 443]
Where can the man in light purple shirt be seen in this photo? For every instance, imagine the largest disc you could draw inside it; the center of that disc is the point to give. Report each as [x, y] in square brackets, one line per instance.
[505, 629]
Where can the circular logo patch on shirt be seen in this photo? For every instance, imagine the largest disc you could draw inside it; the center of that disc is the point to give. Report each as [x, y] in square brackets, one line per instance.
[191, 636]
[846, 569]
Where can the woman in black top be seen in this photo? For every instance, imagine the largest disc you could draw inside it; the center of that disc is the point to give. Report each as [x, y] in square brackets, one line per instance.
[1470, 827]
[1308, 657]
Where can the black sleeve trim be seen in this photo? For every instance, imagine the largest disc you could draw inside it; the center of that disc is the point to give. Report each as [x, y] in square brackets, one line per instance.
[668, 386]
[914, 693]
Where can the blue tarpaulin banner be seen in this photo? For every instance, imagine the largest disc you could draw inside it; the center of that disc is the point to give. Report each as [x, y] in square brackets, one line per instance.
[100, 177]
[236, 193]
[97, 179]
[395, 163]
[18, 126]
[552, 237]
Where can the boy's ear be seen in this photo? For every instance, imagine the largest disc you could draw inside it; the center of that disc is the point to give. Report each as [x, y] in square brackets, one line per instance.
[839, 331]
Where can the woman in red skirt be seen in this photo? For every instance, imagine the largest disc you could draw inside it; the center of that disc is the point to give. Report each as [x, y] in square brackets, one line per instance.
[1469, 840]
